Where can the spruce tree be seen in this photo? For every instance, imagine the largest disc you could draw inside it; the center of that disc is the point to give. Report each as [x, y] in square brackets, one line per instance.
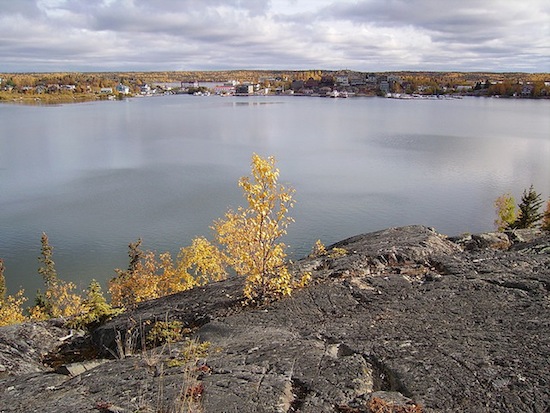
[47, 270]
[529, 214]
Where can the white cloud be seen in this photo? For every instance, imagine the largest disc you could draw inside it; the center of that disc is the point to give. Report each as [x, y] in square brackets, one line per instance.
[369, 35]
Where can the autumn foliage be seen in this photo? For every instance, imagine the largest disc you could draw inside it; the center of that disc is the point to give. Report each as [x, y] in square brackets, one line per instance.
[149, 276]
[506, 211]
[11, 311]
[527, 214]
[251, 236]
[248, 242]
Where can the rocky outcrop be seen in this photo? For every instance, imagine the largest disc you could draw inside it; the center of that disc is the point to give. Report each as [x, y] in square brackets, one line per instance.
[23, 347]
[403, 317]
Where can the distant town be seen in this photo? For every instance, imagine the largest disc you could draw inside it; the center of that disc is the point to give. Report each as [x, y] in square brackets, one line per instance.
[74, 87]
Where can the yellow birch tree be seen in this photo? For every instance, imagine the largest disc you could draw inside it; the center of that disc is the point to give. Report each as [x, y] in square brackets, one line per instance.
[251, 236]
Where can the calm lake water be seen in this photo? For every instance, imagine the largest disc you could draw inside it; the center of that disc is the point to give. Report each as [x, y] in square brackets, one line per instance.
[96, 176]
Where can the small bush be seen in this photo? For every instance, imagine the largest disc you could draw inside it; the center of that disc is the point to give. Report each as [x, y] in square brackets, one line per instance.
[506, 211]
[318, 250]
[95, 309]
[337, 252]
[165, 332]
[192, 351]
[11, 311]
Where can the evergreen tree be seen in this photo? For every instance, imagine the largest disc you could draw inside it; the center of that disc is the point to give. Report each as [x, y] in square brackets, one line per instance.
[59, 299]
[529, 214]
[47, 270]
[95, 309]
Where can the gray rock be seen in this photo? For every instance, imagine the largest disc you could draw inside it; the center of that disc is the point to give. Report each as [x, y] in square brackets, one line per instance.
[406, 315]
[23, 346]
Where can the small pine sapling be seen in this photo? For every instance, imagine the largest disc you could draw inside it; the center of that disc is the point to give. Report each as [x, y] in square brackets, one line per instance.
[59, 298]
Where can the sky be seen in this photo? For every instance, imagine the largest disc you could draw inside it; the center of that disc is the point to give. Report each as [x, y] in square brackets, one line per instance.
[362, 35]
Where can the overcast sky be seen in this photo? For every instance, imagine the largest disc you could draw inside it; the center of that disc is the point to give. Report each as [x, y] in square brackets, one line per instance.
[364, 35]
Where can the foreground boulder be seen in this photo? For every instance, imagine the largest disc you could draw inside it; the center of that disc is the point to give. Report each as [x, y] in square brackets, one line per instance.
[403, 319]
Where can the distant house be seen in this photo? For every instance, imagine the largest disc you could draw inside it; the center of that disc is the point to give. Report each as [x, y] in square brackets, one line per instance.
[145, 89]
[123, 89]
[244, 90]
[342, 80]
[357, 81]
[371, 78]
[106, 91]
[384, 84]
[527, 90]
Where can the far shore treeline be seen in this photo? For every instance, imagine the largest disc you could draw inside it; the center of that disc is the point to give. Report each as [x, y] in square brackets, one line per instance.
[66, 87]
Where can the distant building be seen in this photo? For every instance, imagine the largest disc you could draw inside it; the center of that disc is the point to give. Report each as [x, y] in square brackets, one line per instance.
[342, 80]
[384, 84]
[527, 90]
[244, 90]
[357, 80]
[123, 89]
[371, 78]
[145, 89]
[106, 91]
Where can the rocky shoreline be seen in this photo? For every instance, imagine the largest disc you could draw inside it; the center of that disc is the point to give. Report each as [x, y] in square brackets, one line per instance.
[407, 318]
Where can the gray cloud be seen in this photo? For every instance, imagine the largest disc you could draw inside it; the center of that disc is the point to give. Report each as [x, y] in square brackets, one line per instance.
[368, 35]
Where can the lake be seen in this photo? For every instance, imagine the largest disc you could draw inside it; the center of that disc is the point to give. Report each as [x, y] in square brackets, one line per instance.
[96, 176]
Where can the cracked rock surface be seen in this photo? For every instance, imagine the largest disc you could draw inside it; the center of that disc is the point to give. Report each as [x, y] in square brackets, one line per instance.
[407, 315]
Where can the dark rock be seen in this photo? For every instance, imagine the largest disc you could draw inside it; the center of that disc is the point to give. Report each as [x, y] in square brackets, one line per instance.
[405, 315]
[23, 346]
